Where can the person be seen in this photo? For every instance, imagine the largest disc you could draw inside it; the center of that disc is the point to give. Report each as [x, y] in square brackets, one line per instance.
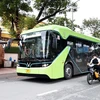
[95, 62]
[1, 55]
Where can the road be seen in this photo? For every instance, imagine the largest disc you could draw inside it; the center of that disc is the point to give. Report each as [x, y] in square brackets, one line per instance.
[23, 88]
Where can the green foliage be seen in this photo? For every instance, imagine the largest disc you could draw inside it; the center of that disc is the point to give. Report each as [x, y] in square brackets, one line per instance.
[97, 34]
[58, 20]
[63, 21]
[93, 25]
[12, 50]
[12, 33]
[51, 4]
[15, 13]
[49, 8]
[30, 22]
[12, 12]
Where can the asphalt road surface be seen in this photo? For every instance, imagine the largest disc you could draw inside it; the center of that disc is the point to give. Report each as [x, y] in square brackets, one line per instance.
[22, 88]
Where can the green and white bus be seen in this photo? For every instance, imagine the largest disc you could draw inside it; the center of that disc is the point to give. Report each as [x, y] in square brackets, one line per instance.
[55, 51]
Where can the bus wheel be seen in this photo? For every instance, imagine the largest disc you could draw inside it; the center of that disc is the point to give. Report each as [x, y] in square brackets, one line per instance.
[90, 78]
[68, 71]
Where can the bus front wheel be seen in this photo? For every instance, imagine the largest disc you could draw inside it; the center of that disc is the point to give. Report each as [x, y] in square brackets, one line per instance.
[68, 71]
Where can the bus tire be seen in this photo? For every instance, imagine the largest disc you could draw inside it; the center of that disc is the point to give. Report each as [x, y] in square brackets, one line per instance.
[68, 71]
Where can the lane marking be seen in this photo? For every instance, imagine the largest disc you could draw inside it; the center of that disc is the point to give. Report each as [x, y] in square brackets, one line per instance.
[45, 93]
[2, 81]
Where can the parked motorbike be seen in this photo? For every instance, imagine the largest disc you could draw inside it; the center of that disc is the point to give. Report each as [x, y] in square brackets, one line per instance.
[92, 75]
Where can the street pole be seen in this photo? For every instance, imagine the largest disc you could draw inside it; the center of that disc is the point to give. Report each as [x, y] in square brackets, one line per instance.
[72, 10]
[72, 18]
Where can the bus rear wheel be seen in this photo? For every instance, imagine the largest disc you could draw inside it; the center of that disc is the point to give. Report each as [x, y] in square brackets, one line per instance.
[68, 71]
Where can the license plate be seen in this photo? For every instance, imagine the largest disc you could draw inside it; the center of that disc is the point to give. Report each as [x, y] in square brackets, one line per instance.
[28, 71]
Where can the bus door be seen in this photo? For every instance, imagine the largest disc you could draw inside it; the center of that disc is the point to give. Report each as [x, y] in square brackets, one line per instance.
[86, 56]
[79, 57]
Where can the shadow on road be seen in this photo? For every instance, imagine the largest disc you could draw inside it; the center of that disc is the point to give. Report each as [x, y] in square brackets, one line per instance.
[49, 81]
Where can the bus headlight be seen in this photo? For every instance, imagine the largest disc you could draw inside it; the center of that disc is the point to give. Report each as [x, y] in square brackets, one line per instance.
[44, 65]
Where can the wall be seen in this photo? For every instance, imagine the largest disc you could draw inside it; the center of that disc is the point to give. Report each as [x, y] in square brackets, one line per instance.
[14, 56]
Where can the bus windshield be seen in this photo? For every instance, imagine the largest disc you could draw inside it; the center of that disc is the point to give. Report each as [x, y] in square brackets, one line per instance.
[33, 46]
[41, 44]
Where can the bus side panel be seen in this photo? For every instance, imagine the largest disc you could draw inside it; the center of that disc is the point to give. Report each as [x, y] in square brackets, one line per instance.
[58, 64]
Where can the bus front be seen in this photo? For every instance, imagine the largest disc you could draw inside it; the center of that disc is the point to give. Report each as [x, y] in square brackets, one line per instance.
[37, 52]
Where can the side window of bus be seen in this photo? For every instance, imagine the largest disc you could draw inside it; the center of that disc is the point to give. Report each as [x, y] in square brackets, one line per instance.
[92, 48]
[86, 56]
[53, 41]
[98, 50]
[61, 44]
[85, 48]
[52, 44]
[79, 48]
[71, 44]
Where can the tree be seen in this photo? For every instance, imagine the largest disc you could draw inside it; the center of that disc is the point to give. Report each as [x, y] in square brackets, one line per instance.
[28, 22]
[93, 25]
[12, 11]
[49, 8]
[62, 21]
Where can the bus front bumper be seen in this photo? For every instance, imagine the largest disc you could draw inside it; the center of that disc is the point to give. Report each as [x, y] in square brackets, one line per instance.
[34, 72]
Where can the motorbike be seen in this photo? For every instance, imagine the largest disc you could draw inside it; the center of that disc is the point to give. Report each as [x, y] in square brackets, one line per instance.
[93, 74]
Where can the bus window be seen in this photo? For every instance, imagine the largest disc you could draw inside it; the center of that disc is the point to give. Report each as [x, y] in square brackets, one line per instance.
[79, 48]
[91, 49]
[51, 44]
[70, 43]
[85, 48]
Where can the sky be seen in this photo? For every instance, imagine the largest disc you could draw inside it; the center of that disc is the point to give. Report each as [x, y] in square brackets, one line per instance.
[86, 9]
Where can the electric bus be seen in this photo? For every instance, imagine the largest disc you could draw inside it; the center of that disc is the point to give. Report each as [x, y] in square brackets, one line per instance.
[55, 51]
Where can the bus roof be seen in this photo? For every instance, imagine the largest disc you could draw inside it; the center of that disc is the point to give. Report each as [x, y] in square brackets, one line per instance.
[65, 32]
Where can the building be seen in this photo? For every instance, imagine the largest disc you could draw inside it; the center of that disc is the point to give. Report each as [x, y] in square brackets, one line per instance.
[5, 36]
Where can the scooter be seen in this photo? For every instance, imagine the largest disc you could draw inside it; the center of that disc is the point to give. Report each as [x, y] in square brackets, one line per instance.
[92, 75]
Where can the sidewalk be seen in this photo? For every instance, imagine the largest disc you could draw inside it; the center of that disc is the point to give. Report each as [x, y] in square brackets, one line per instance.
[7, 70]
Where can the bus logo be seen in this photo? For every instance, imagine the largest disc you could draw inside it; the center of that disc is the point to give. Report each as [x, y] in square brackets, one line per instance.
[28, 65]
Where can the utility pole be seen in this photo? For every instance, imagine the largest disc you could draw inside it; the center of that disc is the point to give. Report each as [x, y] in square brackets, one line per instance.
[72, 7]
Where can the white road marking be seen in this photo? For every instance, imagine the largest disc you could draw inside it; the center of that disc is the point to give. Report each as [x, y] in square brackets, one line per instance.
[2, 81]
[49, 92]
